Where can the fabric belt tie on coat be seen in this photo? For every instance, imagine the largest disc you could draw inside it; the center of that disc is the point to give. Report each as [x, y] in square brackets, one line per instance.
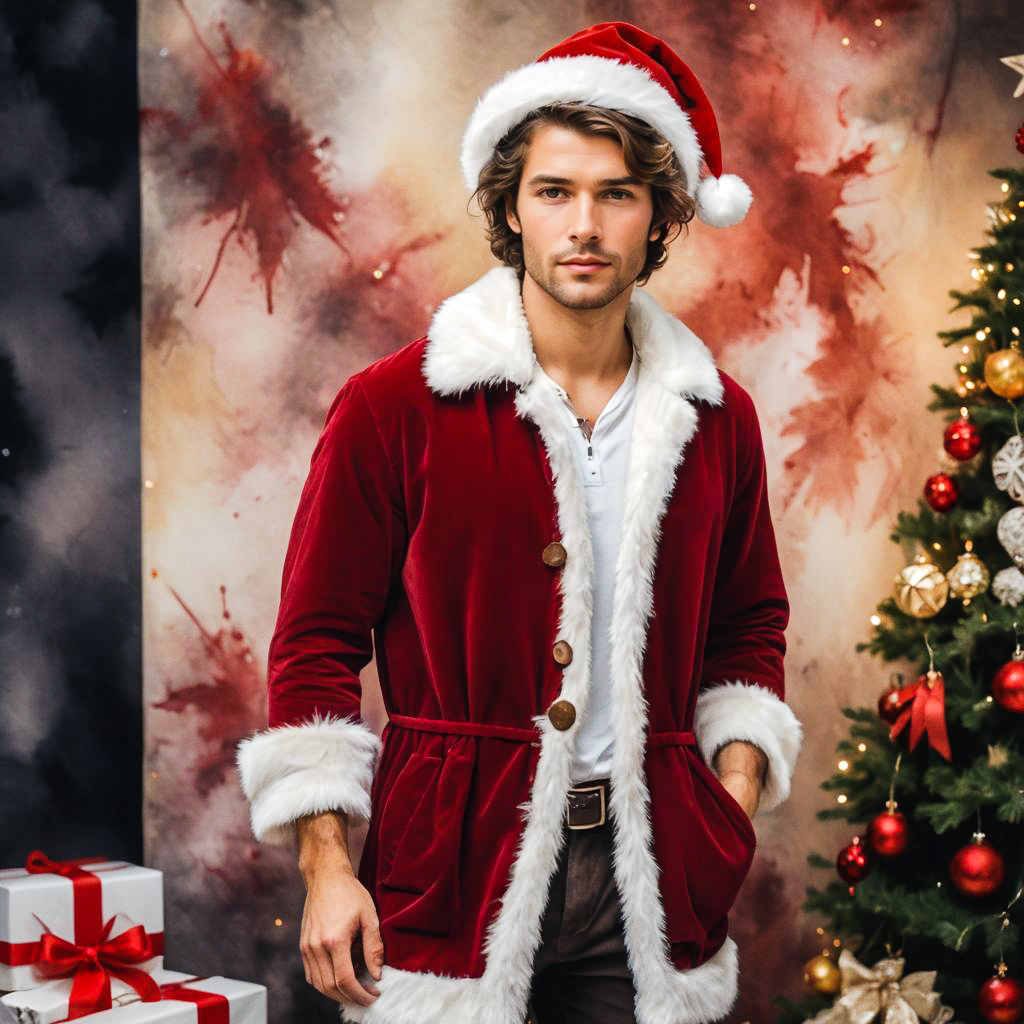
[512, 732]
[586, 804]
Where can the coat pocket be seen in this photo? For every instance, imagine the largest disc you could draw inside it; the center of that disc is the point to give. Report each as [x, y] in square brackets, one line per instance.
[728, 802]
[420, 839]
[704, 843]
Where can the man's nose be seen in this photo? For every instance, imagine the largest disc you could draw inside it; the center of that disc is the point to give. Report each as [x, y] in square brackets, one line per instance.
[584, 219]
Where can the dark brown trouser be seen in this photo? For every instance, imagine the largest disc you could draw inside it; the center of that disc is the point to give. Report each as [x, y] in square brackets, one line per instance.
[580, 971]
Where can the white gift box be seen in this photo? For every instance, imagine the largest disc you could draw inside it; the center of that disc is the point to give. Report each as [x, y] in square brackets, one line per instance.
[247, 1004]
[31, 904]
[50, 1002]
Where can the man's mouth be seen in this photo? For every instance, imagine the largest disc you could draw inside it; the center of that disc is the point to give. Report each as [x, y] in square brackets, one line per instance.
[585, 265]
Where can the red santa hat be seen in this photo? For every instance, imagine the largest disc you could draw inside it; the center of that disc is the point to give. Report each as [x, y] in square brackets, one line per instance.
[617, 65]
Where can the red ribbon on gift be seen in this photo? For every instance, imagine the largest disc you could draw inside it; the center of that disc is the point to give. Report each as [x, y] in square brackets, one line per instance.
[927, 713]
[87, 896]
[213, 1008]
[92, 966]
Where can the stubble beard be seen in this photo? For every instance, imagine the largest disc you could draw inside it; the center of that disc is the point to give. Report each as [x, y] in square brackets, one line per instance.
[552, 278]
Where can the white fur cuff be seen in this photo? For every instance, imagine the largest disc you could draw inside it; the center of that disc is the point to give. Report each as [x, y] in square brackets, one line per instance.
[325, 764]
[747, 711]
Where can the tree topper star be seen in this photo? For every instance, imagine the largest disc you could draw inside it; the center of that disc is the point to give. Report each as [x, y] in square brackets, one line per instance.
[1017, 63]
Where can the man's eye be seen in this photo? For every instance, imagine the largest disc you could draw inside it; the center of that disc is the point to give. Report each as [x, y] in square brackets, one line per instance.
[620, 191]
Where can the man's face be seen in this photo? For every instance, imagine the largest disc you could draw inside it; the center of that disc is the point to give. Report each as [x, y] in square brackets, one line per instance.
[572, 203]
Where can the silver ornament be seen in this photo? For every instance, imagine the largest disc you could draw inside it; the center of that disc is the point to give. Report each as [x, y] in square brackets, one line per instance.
[1008, 586]
[969, 577]
[1010, 531]
[1008, 468]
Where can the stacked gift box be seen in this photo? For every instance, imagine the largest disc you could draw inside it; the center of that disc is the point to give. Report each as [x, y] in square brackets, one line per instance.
[84, 938]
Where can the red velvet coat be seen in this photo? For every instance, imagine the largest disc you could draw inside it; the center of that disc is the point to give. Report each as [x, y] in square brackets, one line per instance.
[441, 477]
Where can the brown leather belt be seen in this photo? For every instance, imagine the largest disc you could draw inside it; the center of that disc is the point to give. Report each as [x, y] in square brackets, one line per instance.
[587, 804]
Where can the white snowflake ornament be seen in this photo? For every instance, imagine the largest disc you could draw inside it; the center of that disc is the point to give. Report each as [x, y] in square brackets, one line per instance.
[1008, 468]
[1010, 531]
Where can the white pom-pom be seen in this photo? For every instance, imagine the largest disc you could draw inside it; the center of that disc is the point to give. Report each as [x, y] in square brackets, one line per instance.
[723, 201]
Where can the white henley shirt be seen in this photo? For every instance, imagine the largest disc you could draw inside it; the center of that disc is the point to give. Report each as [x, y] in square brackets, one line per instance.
[602, 461]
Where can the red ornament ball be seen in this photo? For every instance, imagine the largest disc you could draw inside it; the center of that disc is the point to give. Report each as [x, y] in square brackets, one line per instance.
[977, 869]
[962, 439]
[889, 834]
[1001, 1000]
[940, 491]
[1019, 138]
[1008, 686]
[852, 863]
[888, 707]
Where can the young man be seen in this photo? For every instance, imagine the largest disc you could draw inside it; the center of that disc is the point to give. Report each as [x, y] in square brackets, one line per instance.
[551, 515]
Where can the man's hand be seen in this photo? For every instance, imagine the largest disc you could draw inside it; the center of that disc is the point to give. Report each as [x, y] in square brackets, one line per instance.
[742, 768]
[340, 929]
[339, 911]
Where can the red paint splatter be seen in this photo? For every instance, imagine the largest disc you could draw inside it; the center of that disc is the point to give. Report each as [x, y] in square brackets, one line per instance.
[230, 701]
[771, 118]
[257, 160]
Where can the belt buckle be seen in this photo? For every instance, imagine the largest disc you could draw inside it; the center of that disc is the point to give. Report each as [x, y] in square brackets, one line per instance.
[600, 789]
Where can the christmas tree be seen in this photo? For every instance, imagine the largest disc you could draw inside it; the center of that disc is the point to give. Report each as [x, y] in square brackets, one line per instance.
[926, 900]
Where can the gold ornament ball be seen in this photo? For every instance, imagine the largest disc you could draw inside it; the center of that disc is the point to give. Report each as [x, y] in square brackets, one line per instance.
[821, 975]
[1004, 372]
[921, 589]
[969, 577]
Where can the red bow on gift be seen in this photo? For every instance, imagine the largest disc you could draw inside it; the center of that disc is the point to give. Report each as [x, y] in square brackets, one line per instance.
[927, 713]
[92, 966]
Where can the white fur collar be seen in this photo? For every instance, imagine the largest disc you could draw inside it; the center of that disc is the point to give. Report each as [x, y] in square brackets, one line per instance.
[481, 336]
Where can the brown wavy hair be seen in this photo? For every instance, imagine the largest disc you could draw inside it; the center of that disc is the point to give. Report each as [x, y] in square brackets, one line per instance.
[645, 152]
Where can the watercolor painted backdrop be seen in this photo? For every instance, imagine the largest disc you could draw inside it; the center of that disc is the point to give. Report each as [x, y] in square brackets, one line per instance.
[267, 284]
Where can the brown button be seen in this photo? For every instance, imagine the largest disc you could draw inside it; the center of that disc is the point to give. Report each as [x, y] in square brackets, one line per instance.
[562, 714]
[562, 652]
[554, 554]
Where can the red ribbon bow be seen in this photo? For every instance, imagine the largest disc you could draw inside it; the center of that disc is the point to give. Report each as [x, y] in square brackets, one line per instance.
[92, 966]
[927, 713]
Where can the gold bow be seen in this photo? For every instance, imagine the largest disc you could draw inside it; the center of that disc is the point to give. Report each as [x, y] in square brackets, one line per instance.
[868, 992]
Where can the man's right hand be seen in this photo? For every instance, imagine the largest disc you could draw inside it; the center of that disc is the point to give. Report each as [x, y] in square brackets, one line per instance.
[340, 913]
